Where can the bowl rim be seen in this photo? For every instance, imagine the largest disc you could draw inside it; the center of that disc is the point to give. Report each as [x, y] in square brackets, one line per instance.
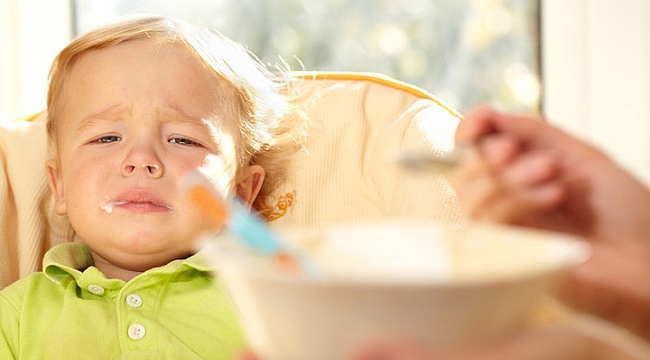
[579, 251]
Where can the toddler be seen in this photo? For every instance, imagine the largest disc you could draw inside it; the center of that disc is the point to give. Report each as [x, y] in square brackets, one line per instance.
[133, 107]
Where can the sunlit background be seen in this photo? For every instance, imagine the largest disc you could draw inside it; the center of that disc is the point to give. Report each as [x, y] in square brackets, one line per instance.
[463, 51]
[594, 54]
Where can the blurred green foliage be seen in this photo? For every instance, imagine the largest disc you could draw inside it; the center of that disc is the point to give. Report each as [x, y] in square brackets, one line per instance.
[463, 51]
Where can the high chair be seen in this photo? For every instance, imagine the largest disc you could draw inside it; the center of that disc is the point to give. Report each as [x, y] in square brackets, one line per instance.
[347, 172]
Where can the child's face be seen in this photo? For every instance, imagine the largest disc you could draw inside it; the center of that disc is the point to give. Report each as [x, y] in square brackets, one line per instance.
[136, 118]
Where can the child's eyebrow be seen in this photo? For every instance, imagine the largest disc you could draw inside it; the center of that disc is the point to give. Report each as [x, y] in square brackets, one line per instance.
[168, 114]
[175, 115]
[178, 114]
[115, 112]
[108, 115]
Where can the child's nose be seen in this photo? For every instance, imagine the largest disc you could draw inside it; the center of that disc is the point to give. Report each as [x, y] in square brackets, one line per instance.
[149, 169]
[146, 163]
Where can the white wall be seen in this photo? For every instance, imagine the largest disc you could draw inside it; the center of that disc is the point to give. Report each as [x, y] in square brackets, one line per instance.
[31, 33]
[596, 74]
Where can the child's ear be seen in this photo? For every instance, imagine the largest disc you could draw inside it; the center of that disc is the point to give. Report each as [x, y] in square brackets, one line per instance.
[56, 185]
[250, 184]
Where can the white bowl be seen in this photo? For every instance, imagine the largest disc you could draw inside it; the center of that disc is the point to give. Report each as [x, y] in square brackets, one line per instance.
[414, 279]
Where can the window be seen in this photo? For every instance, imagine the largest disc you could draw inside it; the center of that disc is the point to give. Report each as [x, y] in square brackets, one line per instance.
[463, 51]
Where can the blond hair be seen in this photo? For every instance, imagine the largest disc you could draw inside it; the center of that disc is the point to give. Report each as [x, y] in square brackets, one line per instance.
[269, 128]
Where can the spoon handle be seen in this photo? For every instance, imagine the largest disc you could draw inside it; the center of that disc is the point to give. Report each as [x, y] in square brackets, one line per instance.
[429, 160]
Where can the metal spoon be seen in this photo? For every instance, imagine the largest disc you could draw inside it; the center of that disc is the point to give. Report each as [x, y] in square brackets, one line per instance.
[429, 160]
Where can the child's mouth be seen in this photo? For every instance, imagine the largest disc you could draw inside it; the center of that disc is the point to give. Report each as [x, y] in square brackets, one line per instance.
[136, 206]
[108, 205]
[138, 201]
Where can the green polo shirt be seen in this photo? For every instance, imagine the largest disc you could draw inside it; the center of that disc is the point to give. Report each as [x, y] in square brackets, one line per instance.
[176, 311]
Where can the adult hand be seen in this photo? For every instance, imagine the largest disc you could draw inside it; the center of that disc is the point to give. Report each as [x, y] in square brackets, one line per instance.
[522, 171]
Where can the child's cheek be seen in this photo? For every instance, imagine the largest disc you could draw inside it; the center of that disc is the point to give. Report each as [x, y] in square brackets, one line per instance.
[219, 174]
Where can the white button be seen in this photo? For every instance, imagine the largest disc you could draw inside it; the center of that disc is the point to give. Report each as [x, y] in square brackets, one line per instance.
[136, 331]
[96, 289]
[134, 300]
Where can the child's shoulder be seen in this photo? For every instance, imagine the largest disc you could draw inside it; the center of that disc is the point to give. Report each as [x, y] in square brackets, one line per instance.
[33, 286]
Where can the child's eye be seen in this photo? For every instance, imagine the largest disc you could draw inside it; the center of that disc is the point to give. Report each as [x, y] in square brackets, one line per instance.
[183, 141]
[108, 139]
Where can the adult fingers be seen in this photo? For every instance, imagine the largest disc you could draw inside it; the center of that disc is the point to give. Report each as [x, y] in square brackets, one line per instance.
[532, 131]
[531, 168]
[248, 355]
[392, 349]
[474, 183]
[475, 124]
[515, 191]
[518, 204]
[499, 150]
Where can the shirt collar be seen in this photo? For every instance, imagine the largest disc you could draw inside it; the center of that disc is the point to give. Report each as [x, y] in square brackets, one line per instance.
[71, 260]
